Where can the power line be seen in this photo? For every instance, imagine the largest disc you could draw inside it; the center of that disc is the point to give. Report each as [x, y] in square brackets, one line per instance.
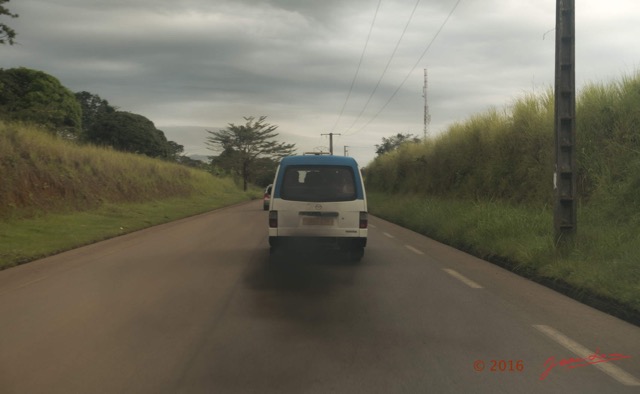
[412, 69]
[359, 65]
[386, 68]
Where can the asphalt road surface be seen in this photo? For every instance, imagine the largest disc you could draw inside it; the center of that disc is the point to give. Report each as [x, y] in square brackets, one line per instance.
[198, 305]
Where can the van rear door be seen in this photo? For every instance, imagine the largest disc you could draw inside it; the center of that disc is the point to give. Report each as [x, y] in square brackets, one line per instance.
[319, 200]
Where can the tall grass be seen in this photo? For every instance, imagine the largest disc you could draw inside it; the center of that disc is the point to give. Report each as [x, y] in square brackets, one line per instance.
[504, 155]
[41, 173]
[486, 185]
[508, 155]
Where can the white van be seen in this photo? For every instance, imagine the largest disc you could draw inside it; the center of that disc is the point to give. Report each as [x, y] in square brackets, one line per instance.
[319, 198]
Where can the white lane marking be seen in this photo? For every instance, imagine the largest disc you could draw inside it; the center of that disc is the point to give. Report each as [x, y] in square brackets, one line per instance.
[615, 372]
[372, 225]
[414, 250]
[388, 235]
[462, 278]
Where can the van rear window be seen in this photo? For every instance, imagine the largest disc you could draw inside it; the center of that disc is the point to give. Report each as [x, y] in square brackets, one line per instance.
[318, 183]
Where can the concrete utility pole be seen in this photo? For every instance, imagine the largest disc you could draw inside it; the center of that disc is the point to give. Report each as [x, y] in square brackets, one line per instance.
[331, 141]
[346, 151]
[565, 210]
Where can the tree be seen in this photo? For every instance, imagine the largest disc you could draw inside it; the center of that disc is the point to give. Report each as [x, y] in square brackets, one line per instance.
[392, 143]
[174, 150]
[264, 171]
[129, 132]
[7, 34]
[242, 145]
[34, 96]
[124, 130]
[93, 108]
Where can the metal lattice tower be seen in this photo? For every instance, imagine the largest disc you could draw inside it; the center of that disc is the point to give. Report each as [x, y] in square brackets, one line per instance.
[427, 115]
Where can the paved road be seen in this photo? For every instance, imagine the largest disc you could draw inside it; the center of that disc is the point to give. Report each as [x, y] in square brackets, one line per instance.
[198, 305]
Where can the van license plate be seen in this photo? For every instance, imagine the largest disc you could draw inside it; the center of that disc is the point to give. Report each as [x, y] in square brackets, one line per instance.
[317, 221]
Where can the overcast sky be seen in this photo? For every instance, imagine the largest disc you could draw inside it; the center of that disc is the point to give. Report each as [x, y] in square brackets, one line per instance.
[200, 64]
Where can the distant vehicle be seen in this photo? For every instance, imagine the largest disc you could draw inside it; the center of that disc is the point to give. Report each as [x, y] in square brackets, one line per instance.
[319, 198]
[267, 197]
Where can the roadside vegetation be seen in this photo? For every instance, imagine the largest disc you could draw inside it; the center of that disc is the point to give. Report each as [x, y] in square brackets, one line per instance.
[485, 186]
[75, 169]
[248, 152]
[56, 194]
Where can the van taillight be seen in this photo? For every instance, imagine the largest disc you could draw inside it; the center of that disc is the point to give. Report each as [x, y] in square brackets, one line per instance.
[364, 220]
[273, 219]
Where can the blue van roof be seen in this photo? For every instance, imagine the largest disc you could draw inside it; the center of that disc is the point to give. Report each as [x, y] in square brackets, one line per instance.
[320, 159]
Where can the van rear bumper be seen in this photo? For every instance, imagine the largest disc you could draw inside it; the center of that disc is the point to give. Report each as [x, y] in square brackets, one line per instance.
[318, 232]
[314, 242]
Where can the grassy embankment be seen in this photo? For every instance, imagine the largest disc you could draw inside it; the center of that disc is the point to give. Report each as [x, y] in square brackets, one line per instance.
[485, 186]
[56, 195]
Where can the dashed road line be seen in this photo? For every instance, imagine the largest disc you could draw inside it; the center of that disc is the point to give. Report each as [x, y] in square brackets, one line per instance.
[414, 250]
[388, 235]
[462, 278]
[615, 372]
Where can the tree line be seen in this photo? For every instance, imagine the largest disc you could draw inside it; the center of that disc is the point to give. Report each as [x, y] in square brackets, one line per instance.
[36, 97]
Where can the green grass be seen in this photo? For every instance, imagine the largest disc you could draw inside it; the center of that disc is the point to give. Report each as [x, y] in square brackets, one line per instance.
[56, 194]
[604, 263]
[485, 228]
[25, 240]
